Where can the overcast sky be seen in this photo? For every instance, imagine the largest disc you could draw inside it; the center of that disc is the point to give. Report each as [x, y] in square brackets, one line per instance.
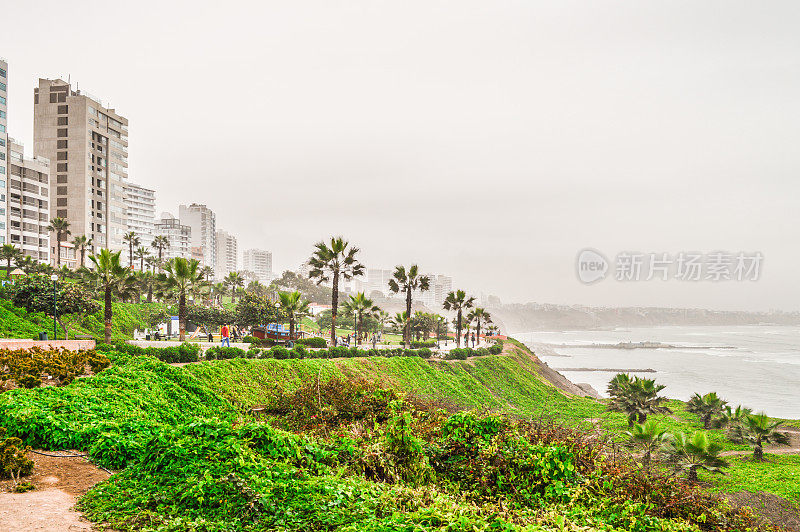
[490, 141]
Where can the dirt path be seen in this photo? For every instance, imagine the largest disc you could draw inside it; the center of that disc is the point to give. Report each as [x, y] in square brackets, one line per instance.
[792, 448]
[49, 508]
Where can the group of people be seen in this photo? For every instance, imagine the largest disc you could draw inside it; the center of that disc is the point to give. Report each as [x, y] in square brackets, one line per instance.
[346, 341]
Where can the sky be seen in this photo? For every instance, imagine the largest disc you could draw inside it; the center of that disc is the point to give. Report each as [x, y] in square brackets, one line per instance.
[488, 141]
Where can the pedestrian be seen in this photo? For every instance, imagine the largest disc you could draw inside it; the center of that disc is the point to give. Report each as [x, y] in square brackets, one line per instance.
[466, 339]
[210, 336]
[473, 340]
[224, 332]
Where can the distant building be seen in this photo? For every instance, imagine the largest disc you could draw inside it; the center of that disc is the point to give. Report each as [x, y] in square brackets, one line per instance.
[27, 202]
[4, 147]
[203, 222]
[178, 235]
[258, 261]
[140, 203]
[227, 254]
[441, 285]
[378, 280]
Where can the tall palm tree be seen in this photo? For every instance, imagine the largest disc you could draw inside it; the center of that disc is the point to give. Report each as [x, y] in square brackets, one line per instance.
[160, 243]
[294, 308]
[479, 315]
[207, 272]
[79, 244]
[110, 277]
[761, 430]
[8, 253]
[184, 277]
[459, 302]
[59, 226]
[695, 452]
[132, 240]
[357, 306]
[407, 282]
[151, 261]
[235, 281]
[649, 436]
[141, 253]
[706, 406]
[333, 262]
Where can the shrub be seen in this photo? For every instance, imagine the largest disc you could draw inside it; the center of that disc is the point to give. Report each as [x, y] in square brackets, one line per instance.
[26, 366]
[223, 353]
[427, 343]
[185, 352]
[13, 462]
[496, 349]
[315, 342]
[251, 340]
[458, 353]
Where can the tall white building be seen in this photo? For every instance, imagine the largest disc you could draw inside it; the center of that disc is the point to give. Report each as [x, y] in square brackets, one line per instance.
[227, 254]
[178, 235]
[28, 201]
[140, 203]
[203, 222]
[378, 279]
[441, 285]
[258, 261]
[4, 148]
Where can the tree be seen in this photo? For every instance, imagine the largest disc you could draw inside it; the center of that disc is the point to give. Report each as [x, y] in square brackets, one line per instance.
[235, 281]
[407, 282]
[132, 240]
[217, 291]
[216, 316]
[160, 243]
[706, 406]
[357, 306]
[8, 253]
[399, 320]
[334, 262]
[636, 398]
[760, 431]
[290, 281]
[695, 452]
[649, 436]
[184, 277]
[255, 310]
[382, 318]
[734, 421]
[207, 273]
[141, 253]
[111, 278]
[152, 262]
[293, 308]
[459, 302]
[79, 244]
[479, 315]
[60, 227]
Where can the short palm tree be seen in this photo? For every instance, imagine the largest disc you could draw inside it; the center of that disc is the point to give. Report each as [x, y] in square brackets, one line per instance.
[234, 281]
[141, 253]
[160, 243]
[8, 253]
[760, 431]
[695, 452]
[357, 306]
[382, 318]
[637, 397]
[217, 291]
[734, 421]
[479, 316]
[79, 244]
[132, 239]
[332, 262]
[110, 278]
[458, 302]
[151, 262]
[649, 437]
[408, 281]
[294, 308]
[183, 277]
[59, 226]
[27, 264]
[399, 320]
[207, 272]
[706, 406]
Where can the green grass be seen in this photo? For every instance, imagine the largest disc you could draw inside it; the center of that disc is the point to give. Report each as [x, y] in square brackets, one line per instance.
[779, 474]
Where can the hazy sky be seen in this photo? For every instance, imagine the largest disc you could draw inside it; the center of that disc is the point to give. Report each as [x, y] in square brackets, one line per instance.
[486, 140]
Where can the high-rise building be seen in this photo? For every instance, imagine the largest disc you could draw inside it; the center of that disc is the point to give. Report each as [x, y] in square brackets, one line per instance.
[4, 147]
[28, 202]
[178, 235]
[227, 254]
[258, 261]
[378, 280]
[203, 222]
[140, 204]
[441, 286]
[87, 145]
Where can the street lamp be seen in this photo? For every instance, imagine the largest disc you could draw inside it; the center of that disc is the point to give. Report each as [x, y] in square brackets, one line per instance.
[54, 278]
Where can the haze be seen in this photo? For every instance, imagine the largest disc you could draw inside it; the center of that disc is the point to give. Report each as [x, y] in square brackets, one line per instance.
[490, 141]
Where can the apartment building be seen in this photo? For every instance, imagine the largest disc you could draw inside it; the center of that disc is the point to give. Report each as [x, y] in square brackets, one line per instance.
[4, 148]
[28, 201]
[86, 143]
[378, 280]
[258, 261]
[178, 235]
[203, 222]
[227, 254]
[140, 206]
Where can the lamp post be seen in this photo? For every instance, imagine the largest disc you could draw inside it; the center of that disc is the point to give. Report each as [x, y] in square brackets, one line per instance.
[54, 278]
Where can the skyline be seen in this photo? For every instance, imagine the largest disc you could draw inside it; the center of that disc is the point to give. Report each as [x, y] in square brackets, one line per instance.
[674, 134]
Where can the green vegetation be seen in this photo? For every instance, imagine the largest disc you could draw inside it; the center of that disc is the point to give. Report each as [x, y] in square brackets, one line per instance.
[779, 474]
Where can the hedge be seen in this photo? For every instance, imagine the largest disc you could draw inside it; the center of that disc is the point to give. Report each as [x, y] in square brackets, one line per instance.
[185, 352]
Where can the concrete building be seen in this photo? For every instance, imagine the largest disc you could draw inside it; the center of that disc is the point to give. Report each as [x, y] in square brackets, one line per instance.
[227, 254]
[203, 222]
[178, 235]
[87, 145]
[4, 148]
[140, 205]
[441, 285]
[258, 261]
[28, 202]
[378, 280]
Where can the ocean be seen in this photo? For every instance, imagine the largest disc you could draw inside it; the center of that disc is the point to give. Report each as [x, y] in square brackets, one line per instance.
[757, 366]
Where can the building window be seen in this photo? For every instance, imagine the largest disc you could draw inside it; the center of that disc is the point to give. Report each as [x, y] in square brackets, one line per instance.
[63, 109]
[3, 114]
[62, 132]
[62, 144]
[3, 87]
[2, 100]
[2, 142]
[62, 120]
[2, 73]
[2, 170]
[2, 128]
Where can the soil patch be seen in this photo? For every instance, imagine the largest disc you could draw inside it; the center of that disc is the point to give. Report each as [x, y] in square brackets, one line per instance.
[771, 508]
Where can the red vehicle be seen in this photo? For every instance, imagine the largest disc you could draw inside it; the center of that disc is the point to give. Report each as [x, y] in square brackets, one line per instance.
[278, 333]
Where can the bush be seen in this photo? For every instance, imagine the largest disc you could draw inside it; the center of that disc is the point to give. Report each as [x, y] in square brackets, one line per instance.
[496, 349]
[13, 462]
[223, 353]
[459, 353]
[251, 340]
[315, 342]
[26, 366]
[185, 352]
[419, 345]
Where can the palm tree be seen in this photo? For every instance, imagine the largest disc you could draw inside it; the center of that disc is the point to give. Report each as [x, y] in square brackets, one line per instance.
[399, 320]
[459, 302]
[141, 253]
[79, 244]
[735, 422]
[207, 273]
[294, 308]
[8, 253]
[407, 282]
[217, 291]
[382, 318]
[358, 305]
[762, 430]
[184, 277]
[695, 452]
[160, 243]
[636, 398]
[151, 261]
[59, 226]
[649, 436]
[334, 262]
[27, 264]
[110, 277]
[479, 315]
[235, 281]
[132, 240]
[706, 406]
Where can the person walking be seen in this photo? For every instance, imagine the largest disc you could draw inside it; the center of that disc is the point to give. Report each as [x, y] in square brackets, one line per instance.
[473, 340]
[225, 333]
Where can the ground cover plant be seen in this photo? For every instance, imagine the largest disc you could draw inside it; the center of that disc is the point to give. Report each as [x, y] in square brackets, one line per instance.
[26, 367]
